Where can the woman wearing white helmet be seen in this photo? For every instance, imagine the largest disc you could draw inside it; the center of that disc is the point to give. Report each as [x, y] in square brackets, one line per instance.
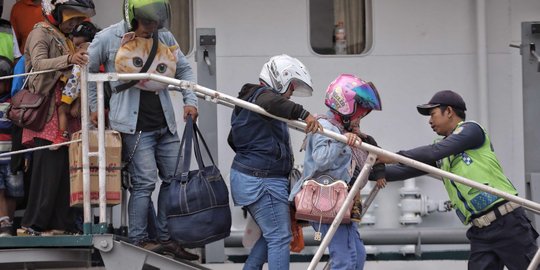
[263, 160]
[349, 100]
[282, 72]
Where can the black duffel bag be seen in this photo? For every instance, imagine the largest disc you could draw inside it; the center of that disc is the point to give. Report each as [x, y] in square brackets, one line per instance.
[198, 212]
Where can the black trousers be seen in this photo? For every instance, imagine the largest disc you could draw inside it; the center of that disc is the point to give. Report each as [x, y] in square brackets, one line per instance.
[509, 241]
[48, 198]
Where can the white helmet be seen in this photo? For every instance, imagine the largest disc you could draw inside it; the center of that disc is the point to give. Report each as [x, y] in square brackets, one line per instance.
[282, 71]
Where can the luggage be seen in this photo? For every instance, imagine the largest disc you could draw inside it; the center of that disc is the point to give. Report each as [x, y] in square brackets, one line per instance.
[198, 211]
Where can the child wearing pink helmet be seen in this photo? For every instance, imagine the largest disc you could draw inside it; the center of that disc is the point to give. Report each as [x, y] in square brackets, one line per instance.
[349, 99]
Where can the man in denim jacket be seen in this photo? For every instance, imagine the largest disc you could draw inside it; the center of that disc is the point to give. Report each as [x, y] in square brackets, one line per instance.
[145, 119]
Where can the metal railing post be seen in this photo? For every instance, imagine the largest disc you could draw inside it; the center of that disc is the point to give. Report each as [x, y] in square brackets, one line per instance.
[87, 226]
[102, 159]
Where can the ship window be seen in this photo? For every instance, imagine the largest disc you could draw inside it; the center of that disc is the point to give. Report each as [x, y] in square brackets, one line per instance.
[182, 23]
[339, 27]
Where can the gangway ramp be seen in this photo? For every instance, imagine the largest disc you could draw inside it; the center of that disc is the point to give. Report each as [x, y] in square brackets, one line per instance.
[46, 252]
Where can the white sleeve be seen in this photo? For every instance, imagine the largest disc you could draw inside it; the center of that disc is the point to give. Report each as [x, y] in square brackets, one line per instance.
[16, 51]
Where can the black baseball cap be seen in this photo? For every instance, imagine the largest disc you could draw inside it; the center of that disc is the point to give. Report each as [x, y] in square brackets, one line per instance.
[444, 97]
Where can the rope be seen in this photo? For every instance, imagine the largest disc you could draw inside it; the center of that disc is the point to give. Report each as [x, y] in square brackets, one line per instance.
[38, 148]
[32, 73]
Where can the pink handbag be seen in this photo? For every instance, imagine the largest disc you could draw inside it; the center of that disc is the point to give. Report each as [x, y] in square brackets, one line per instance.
[321, 202]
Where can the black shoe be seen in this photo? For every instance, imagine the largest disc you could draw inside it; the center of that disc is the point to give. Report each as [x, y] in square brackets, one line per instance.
[171, 248]
[150, 245]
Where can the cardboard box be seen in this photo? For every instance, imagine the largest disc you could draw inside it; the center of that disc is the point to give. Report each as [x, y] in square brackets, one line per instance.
[113, 152]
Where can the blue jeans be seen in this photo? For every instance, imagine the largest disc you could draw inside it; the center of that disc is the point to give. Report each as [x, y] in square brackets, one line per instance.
[156, 151]
[347, 251]
[273, 218]
[12, 183]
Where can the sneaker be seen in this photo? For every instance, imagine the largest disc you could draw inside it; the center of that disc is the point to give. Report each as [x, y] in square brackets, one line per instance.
[150, 245]
[171, 248]
[6, 228]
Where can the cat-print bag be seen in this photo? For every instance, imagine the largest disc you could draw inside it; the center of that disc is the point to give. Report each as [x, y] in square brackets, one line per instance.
[143, 55]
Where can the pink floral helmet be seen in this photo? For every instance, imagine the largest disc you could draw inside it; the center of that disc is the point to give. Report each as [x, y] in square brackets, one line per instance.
[348, 94]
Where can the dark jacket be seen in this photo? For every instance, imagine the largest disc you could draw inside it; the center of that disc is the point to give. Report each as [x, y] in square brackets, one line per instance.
[262, 144]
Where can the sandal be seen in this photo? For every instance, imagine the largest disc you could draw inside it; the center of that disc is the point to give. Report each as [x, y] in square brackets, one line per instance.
[27, 231]
[68, 232]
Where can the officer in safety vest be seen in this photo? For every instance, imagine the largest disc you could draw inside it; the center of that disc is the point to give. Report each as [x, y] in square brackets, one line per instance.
[500, 233]
[8, 43]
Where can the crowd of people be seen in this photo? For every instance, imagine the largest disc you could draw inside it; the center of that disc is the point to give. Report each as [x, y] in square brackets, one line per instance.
[56, 35]
[59, 35]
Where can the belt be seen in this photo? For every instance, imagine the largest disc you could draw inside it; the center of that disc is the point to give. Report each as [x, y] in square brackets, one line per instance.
[487, 219]
[257, 173]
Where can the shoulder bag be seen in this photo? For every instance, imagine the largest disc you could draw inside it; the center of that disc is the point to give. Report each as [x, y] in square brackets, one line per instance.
[320, 199]
[29, 110]
[198, 211]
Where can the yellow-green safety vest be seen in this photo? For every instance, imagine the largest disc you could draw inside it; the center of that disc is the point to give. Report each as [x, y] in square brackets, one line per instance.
[480, 165]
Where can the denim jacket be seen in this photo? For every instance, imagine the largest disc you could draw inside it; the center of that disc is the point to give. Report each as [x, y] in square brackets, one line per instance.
[325, 155]
[124, 106]
[262, 145]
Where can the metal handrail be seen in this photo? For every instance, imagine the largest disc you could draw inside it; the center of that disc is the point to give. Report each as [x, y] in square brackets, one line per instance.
[374, 151]
[33, 73]
[38, 148]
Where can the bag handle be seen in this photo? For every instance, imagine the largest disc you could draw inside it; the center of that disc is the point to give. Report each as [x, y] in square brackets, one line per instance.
[198, 156]
[324, 196]
[185, 145]
[191, 135]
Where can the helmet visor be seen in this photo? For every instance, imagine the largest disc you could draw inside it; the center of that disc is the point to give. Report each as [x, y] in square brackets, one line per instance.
[84, 30]
[155, 12]
[88, 10]
[367, 96]
[301, 88]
